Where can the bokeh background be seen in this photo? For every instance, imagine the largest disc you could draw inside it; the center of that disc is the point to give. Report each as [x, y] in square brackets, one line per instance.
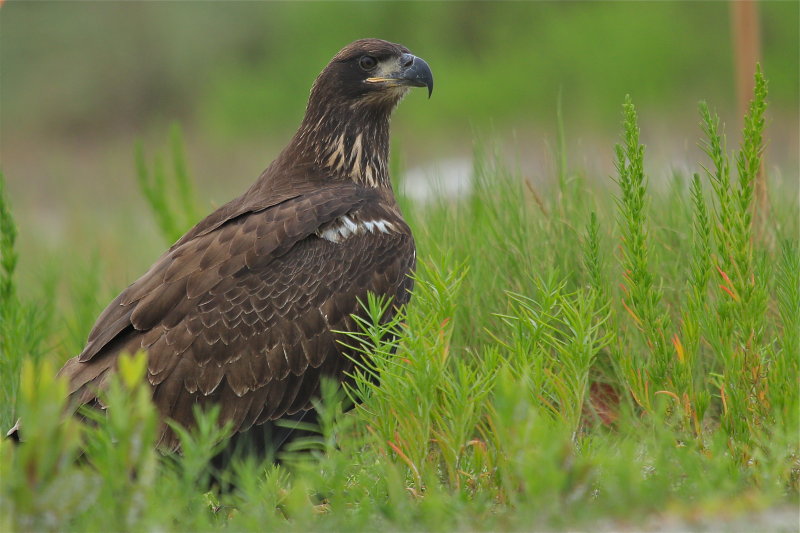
[81, 82]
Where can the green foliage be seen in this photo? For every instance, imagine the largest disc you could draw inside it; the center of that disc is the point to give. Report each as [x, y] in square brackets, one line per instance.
[553, 341]
[102, 472]
[416, 394]
[171, 199]
[21, 323]
[783, 395]
[121, 445]
[592, 258]
[643, 295]
[531, 383]
[42, 483]
[248, 81]
[739, 335]
[8, 237]
[87, 300]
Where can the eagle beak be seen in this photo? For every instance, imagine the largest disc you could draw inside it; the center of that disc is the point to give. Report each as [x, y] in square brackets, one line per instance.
[414, 72]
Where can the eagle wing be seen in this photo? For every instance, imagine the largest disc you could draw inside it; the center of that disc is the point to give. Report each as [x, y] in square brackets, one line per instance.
[245, 315]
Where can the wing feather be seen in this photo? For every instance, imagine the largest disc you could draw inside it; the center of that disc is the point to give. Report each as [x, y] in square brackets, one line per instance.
[243, 315]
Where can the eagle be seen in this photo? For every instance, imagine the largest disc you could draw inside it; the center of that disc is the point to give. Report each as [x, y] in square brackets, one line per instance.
[247, 310]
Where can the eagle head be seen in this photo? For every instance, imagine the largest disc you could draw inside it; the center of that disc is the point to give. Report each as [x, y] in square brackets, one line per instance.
[370, 74]
[345, 132]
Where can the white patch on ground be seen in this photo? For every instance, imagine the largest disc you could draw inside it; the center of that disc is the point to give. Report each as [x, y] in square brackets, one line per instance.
[449, 178]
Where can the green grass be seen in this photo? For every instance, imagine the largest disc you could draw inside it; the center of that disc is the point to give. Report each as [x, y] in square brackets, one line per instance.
[586, 352]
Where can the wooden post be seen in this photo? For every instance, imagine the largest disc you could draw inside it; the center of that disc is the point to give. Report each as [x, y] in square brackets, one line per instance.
[745, 31]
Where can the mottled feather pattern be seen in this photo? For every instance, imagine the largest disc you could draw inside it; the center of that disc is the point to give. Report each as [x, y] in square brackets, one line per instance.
[255, 325]
[243, 311]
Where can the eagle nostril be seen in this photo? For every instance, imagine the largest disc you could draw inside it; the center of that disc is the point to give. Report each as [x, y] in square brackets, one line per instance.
[406, 60]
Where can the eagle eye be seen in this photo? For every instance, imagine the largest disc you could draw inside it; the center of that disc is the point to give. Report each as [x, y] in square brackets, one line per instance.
[367, 63]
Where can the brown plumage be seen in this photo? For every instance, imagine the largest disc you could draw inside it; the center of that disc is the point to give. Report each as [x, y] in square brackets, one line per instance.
[242, 310]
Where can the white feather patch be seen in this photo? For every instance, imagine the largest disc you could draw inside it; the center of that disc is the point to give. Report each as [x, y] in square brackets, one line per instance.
[345, 227]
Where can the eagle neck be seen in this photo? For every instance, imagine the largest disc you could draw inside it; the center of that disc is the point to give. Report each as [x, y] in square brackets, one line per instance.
[347, 143]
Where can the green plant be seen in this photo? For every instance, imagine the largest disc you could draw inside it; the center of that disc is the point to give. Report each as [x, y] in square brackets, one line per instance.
[646, 370]
[531, 383]
[22, 325]
[172, 201]
[739, 340]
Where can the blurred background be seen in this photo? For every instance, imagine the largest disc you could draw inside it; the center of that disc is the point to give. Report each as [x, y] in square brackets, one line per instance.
[81, 82]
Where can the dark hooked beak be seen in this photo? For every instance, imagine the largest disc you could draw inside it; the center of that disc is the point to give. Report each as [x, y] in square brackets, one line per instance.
[416, 72]
[413, 72]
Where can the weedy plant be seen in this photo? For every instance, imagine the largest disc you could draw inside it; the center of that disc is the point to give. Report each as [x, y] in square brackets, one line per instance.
[560, 363]
[22, 324]
[172, 200]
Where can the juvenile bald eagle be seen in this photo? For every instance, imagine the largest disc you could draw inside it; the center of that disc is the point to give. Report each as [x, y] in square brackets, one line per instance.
[242, 310]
